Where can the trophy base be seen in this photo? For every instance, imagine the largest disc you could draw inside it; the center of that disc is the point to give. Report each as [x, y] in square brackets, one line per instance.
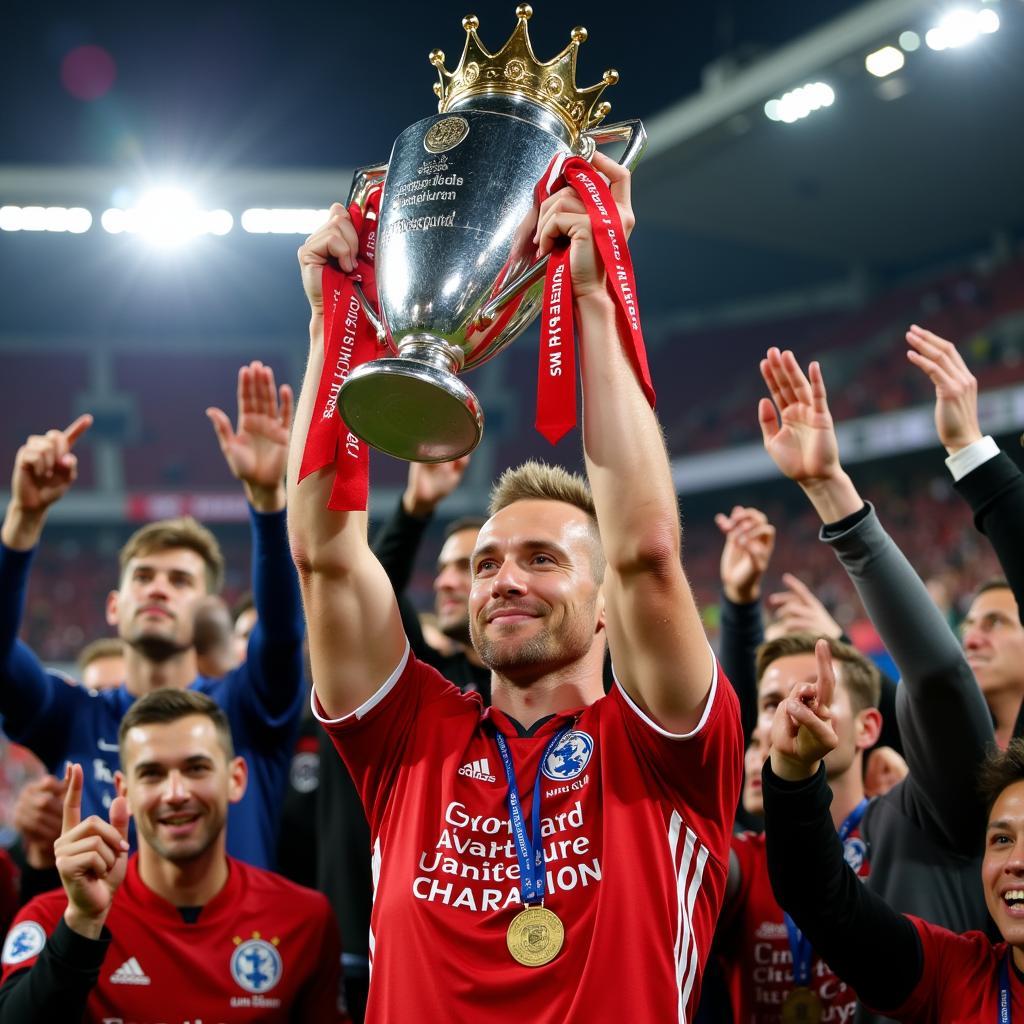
[412, 410]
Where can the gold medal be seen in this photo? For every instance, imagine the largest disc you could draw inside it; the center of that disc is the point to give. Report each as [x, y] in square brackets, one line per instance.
[802, 1006]
[535, 937]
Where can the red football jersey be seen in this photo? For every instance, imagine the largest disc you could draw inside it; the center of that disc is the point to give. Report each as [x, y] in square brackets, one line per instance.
[635, 826]
[960, 980]
[262, 950]
[753, 944]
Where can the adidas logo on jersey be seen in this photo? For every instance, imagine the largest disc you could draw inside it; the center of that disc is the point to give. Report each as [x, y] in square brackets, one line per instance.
[479, 770]
[130, 973]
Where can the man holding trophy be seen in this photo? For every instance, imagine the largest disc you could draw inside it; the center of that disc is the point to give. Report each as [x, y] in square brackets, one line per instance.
[530, 857]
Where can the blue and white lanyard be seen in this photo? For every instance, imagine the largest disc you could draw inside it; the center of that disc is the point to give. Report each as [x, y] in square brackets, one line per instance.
[529, 848]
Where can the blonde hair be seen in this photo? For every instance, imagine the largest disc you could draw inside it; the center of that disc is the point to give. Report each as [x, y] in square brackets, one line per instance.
[184, 532]
[538, 481]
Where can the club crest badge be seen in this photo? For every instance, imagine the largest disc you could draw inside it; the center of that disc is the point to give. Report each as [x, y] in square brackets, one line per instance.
[256, 966]
[569, 758]
[855, 853]
[24, 941]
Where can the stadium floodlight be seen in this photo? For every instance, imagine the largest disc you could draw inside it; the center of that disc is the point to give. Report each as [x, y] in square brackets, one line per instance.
[885, 61]
[798, 103]
[74, 219]
[166, 216]
[960, 27]
[261, 221]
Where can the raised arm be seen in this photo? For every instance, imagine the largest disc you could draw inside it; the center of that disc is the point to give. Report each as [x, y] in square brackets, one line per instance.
[45, 468]
[749, 542]
[256, 453]
[872, 948]
[659, 650]
[944, 724]
[92, 857]
[988, 479]
[355, 632]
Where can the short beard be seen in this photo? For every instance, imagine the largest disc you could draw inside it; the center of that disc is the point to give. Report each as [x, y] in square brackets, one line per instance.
[157, 649]
[538, 651]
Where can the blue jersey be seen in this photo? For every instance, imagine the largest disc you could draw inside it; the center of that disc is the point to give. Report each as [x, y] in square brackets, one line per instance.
[263, 699]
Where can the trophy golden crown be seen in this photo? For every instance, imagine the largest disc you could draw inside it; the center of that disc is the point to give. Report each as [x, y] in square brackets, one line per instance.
[515, 70]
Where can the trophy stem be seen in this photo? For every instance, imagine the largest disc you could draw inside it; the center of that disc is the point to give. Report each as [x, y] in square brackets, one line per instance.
[432, 350]
[413, 406]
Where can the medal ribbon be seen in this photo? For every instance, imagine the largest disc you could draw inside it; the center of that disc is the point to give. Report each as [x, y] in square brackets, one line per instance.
[529, 848]
[556, 372]
[349, 341]
[799, 945]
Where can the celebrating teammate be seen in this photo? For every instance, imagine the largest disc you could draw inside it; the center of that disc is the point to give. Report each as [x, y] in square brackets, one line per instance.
[901, 966]
[527, 856]
[180, 930]
[166, 568]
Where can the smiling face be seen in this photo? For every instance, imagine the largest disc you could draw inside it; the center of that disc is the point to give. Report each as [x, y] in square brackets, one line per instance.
[179, 782]
[994, 642]
[535, 600]
[1002, 869]
[154, 609]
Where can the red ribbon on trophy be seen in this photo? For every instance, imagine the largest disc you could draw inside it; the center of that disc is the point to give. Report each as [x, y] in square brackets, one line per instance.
[556, 371]
[349, 341]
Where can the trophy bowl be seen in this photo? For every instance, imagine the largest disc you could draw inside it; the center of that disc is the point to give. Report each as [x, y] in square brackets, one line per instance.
[456, 269]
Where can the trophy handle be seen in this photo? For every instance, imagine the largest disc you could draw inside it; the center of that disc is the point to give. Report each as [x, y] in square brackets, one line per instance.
[635, 137]
[363, 180]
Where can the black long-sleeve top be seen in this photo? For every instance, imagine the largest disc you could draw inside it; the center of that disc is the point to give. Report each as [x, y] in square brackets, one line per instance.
[875, 950]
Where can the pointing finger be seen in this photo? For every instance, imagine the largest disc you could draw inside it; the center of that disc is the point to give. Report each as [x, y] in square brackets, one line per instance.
[73, 798]
[77, 428]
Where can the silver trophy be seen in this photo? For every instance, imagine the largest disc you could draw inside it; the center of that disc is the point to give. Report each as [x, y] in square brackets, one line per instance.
[456, 269]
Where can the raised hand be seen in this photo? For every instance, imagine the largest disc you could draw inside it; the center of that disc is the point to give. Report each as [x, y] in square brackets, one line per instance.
[563, 215]
[956, 388]
[749, 542]
[798, 611]
[336, 239]
[430, 483]
[800, 437]
[92, 857]
[802, 732]
[45, 467]
[256, 451]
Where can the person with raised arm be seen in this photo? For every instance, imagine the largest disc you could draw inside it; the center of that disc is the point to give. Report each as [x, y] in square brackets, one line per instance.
[527, 854]
[166, 568]
[900, 965]
[992, 484]
[920, 839]
[180, 930]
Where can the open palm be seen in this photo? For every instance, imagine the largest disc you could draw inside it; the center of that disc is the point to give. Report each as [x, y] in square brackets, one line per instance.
[256, 451]
[796, 423]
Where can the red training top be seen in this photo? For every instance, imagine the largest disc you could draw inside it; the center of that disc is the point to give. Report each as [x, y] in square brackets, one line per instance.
[753, 944]
[960, 980]
[262, 950]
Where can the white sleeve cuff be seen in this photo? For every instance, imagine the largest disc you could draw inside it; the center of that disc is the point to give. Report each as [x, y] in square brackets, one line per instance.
[708, 706]
[367, 706]
[970, 458]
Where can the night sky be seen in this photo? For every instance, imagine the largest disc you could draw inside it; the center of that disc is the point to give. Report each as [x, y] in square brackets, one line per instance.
[224, 85]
